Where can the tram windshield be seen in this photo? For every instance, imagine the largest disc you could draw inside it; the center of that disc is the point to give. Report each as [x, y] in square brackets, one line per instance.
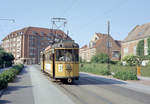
[67, 55]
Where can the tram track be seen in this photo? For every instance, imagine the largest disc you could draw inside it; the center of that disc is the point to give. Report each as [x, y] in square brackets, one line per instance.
[95, 90]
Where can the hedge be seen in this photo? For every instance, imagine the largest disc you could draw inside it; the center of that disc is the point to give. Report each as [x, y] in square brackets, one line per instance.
[9, 75]
[126, 75]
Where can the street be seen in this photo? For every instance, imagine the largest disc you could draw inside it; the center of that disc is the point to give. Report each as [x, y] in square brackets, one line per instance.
[34, 87]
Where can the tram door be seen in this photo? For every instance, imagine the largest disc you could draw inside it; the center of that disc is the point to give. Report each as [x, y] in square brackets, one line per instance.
[43, 61]
[53, 65]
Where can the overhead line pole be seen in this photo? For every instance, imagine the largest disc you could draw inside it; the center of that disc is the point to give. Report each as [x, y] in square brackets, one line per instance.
[108, 45]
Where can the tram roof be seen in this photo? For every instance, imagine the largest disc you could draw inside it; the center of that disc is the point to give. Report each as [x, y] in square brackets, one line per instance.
[63, 44]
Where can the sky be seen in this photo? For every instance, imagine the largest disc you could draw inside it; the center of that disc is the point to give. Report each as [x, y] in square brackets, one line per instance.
[85, 17]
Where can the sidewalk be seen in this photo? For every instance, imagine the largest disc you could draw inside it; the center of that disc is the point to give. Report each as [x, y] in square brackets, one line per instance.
[33, 87]
[143, 80]
[19, 91]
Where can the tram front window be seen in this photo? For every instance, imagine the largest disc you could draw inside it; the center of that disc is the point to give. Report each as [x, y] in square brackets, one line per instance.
[67, 55]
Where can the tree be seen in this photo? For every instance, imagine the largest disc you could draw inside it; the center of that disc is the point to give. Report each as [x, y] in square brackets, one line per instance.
[1, 49]
[100, 58]
[80, 59]
[140, 48]
[148, 44]
[6, 58]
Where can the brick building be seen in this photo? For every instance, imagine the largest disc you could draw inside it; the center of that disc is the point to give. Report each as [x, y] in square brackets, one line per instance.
[25, 44]
[98, 44]
[130, 42]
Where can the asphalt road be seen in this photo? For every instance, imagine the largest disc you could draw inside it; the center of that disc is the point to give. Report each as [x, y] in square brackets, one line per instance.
[88, 90]
[94, 90]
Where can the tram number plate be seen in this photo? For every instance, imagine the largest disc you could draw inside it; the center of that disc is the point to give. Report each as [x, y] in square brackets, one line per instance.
[60, 67]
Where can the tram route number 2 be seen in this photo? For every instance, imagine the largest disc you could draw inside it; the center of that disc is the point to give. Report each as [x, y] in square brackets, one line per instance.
[60, 67]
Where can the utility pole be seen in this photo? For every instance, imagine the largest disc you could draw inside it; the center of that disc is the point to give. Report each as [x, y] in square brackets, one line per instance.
[108, 46]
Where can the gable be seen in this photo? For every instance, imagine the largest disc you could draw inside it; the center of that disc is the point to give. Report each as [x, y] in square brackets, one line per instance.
[139, 32]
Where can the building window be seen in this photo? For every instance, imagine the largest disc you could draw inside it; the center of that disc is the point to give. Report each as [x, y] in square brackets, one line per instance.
[134, 50]
[125, 50]
[34, 32]
[108, 44]
[95, 38]
[146, 48]
[115, 54]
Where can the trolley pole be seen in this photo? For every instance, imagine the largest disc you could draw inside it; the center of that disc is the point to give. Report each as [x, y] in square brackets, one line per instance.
[108, 46]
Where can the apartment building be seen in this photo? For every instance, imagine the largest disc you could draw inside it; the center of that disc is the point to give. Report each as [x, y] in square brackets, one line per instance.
[139, 32]
[99, 44]
[25, 44]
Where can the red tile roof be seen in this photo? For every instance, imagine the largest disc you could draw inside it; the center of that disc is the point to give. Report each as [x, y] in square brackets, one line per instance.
[38, 30]
[138, 32]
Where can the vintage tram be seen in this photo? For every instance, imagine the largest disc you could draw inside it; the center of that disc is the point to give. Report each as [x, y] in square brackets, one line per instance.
[61, 61]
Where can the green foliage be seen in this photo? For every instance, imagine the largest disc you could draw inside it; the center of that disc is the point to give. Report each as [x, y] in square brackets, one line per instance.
[119, 63]
[140, 48]
[148, 43]
[114, 62]
[100, 58]
[3, 82]
[105, 72]
[9, 75]
[133, 60]
[80, 59]
[96, 68]
[130, 60]
[1, 49]
[126, 75]
[6, 58]
[19, 67]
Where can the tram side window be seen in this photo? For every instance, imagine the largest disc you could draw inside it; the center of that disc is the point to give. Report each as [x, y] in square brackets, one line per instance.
[47, 57]
[60, 55]
[76, 55]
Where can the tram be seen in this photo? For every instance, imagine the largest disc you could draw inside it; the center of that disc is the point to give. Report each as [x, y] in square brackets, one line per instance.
[61, 61]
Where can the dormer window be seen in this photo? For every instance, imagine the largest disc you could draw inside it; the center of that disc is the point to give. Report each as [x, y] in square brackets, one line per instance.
[95, 38]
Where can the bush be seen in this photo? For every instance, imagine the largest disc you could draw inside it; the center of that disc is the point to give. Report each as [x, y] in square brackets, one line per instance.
[18, 67]
[126, 75]
[100, 58]
[105, 72]
[3, 82]
[133, 60]
[114, 62]
[9, 75]
[119, 63]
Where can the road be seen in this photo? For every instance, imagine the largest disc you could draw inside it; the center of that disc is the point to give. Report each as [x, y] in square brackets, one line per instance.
[91, 90]
[88, 90]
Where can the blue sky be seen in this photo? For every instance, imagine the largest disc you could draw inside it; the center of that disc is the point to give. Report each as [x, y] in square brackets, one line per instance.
[85, 17]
